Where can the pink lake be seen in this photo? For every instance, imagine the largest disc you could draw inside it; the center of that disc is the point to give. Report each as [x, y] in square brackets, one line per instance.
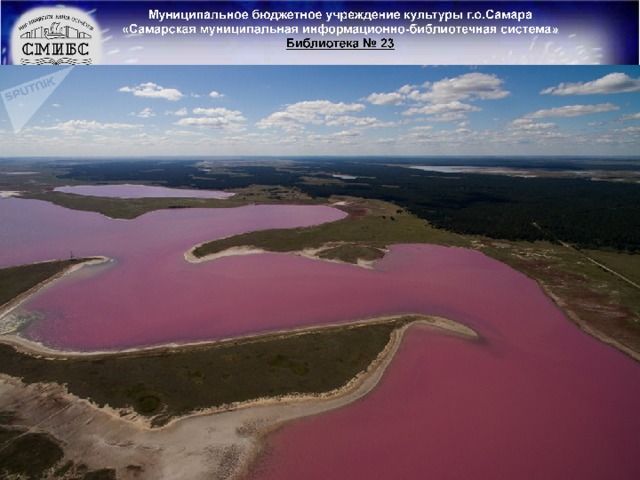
[535, 398]
[140, 191]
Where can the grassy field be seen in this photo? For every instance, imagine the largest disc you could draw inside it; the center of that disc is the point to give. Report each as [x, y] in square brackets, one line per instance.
[625, 264]
[170, 382]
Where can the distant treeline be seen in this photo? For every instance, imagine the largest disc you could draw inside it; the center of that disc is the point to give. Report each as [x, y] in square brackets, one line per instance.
[585, 213]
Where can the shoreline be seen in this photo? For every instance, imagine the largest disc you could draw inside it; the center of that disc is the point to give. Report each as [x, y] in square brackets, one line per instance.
[10, 306]
[224, 440]
[31, 347]
[585, 327]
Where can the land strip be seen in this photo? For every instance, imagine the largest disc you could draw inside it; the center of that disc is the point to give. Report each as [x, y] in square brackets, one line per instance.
[167, 382]
[129, 208]
[370, 227]
[210, 443]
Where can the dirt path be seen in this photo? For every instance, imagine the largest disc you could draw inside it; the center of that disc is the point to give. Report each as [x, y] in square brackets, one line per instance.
[604, 267]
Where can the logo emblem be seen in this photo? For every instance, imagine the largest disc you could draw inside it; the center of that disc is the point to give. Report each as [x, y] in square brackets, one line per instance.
[55, 36]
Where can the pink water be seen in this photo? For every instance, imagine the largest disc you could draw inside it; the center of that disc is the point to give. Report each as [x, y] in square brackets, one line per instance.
[140, 191]
[536, 398]
[450, 409]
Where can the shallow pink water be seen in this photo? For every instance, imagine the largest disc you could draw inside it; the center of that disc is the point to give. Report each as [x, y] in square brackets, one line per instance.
[536, 398]
[140, 191]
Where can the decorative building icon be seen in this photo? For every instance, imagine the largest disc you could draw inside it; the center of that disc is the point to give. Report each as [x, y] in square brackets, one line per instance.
[55, 31]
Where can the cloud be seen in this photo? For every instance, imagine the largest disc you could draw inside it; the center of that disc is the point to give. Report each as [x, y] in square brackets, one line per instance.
[152, 90]
[219, 118]
[611, 83]
[629, 130]
[214, 94]
[573, 110]
[528, 125]
[470, 86]
[441, 108]
[393, 98]
[364, 122]
[231, 115]
[144, 113]
[630, 116]
[180, 112]
[316, 112]
[182, 133]
[214, 122]
[79, 126]
[443, 99]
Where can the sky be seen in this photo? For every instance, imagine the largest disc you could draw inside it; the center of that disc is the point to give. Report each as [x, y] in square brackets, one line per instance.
[321, 110]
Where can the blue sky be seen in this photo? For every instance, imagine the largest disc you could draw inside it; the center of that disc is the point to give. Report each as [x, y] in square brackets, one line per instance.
[329, 110]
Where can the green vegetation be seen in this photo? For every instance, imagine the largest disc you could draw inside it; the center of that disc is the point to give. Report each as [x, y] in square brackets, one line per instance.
[168, 382]
[370, 226]
[123, 208]
[625, 264]
[7, 434]
[14, 281]
[128, 208]
[351, 253]
[33, 455]
[29, 455]
[180, 173]
[64, 468]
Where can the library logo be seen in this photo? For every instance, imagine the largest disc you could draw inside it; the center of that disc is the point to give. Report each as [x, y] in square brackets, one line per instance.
[55, 36]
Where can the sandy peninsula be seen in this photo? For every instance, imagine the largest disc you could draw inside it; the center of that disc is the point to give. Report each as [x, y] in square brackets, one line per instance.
[311, 253]
[214, 443]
